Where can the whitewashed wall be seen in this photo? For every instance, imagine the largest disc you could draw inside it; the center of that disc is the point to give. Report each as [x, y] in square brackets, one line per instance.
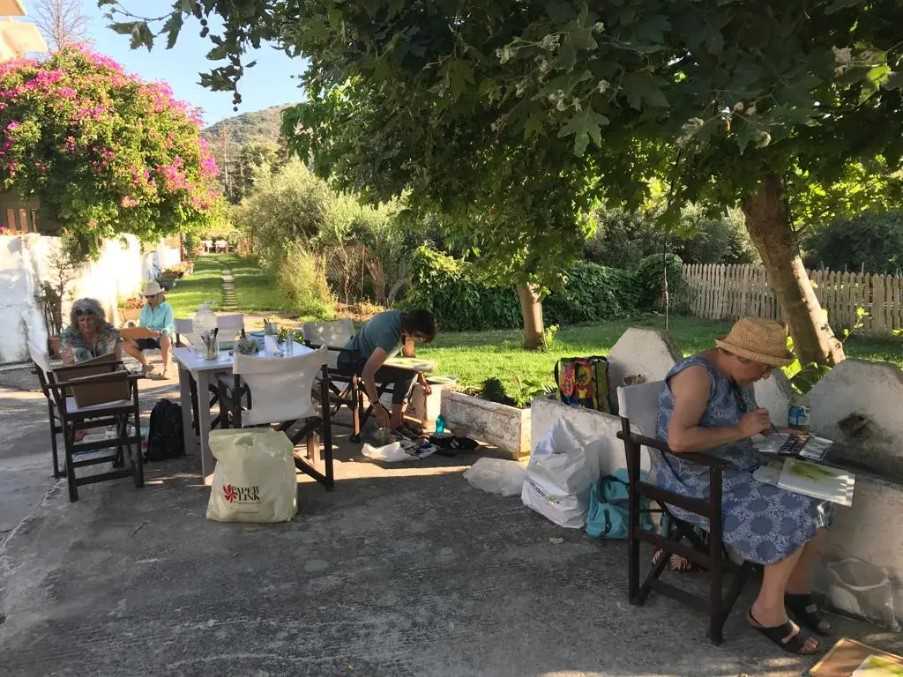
[118, 273]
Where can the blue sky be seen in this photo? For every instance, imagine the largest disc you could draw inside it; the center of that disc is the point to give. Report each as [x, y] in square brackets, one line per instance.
[267, 84]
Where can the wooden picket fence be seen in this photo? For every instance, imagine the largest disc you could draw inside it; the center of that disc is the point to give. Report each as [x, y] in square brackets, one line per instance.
[725, 292]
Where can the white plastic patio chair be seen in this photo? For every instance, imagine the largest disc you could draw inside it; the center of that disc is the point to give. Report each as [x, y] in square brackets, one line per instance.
[230, 325]
[266, 390]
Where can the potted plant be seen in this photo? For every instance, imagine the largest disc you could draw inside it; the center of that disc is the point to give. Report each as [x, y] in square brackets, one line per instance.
[50, 296]
[130, 309]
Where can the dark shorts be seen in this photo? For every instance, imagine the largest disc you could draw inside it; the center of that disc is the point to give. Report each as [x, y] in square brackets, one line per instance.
[402, 379]
[147, 344]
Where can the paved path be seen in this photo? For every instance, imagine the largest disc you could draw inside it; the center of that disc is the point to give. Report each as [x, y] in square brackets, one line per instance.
[230, 300]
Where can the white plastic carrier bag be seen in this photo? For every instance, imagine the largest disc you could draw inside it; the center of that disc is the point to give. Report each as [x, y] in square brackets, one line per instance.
[559, 476]
[497, 476]
[254, 480]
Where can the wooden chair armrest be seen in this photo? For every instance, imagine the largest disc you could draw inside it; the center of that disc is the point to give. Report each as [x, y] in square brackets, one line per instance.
[698, 457]
[111, 377]
[76, 367]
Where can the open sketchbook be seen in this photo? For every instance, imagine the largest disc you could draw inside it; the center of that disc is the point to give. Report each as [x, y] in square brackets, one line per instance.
[810, 479]
[791, 444]
[879, 666]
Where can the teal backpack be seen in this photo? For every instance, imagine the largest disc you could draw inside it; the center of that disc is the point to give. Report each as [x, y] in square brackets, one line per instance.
[608, 512]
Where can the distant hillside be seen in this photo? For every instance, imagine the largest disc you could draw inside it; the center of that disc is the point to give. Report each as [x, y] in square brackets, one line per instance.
[235, 143]
[261, 125]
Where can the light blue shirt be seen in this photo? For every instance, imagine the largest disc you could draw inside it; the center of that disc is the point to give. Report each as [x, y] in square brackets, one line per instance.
[158, 319]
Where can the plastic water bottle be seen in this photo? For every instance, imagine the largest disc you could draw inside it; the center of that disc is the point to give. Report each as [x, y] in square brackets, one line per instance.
[440, 424]
[204, 321]
[798, 413]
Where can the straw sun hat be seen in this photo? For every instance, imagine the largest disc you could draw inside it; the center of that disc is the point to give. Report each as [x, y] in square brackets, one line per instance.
[151, 289]
[763, 341]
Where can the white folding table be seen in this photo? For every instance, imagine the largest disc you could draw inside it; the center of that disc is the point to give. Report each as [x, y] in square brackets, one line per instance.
[193, 366]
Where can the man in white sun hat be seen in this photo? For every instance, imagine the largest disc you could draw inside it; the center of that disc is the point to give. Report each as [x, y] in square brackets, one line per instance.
[156, 316]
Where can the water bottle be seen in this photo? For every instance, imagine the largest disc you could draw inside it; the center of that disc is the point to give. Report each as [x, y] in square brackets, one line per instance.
[798, 413]
[440, 424]
[204, 321]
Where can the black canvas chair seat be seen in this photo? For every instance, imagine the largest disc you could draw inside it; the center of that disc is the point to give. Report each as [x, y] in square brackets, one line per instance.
[681, 538]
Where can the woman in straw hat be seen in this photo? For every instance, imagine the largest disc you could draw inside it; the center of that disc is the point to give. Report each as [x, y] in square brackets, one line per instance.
[157, 316]
[707, 404]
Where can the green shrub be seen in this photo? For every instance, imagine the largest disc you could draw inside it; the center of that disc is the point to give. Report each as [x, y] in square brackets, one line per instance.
[448, 288]
[624, 238]
[591, 292]
[301, 276]
[872, 241]
[460, 301]
[287, 207]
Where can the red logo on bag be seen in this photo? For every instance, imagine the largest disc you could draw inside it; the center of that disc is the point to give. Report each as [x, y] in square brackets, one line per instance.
[230, 493]
[235, 494]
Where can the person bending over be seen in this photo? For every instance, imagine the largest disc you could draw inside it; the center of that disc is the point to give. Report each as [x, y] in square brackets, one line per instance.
[378, 340]
[157, 316]
[707, 404]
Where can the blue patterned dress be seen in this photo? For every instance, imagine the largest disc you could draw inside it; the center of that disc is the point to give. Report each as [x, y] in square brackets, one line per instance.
[761, 522]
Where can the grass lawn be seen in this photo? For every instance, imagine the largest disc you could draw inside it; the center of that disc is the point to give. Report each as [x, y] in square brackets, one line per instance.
[204, 284]
[472, 357]
[255, 288]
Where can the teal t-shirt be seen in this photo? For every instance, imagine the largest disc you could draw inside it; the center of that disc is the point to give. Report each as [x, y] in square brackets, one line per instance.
[382, 331]
[158, 319]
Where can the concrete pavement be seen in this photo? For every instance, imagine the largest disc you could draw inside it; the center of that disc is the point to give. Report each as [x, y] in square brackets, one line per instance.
[402, 570]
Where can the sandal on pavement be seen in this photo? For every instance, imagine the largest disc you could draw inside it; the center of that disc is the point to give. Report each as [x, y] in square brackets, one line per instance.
[804, 611]
[151, 373]
[787, 636]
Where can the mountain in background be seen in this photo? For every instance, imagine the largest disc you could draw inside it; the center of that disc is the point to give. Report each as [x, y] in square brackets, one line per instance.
[242, 143]
[257, 126]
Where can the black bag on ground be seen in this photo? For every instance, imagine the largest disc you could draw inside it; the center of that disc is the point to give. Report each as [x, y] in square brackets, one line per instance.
[164, 437]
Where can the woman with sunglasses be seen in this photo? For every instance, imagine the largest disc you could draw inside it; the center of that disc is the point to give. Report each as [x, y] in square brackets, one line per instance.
[157, 316]
[88, 335]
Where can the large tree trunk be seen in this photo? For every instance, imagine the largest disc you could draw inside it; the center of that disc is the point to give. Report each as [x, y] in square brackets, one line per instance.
[531, 312]
[769, 227]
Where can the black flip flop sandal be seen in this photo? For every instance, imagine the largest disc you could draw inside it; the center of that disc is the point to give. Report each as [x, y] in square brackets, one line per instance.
[783, 635]
[804, 610]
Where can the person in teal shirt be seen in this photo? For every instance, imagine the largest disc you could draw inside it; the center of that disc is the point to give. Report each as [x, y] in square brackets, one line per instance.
[378, 340]
[157, 316]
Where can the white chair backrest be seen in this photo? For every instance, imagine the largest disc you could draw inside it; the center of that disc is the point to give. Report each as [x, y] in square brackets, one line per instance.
[280, 387]
[333, 334]
[639, 404]
[230, 325]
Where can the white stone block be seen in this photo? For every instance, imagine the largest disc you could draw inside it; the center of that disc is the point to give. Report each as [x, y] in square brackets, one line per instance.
[594, 425]
[870, 530]
[859, 404]
[641, 356]
[507, 428]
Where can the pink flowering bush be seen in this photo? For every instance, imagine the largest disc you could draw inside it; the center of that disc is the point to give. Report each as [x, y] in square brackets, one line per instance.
[105, 152]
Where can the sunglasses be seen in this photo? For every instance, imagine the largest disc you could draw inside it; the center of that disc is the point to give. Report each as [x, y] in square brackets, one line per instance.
[84, 313]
